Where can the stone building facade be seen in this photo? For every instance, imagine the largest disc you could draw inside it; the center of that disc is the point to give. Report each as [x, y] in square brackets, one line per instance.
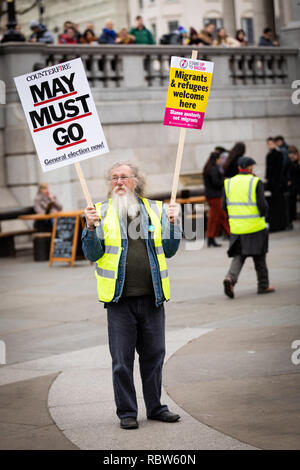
[251, 15]
[250, 100]
[162, 16]
[81, 12]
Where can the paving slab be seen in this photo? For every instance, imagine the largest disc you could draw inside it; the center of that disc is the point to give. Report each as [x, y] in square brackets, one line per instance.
[241, 380]
[25, 422]
[228, 369]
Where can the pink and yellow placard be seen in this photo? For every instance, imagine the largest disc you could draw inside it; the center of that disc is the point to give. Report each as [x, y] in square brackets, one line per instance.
[189, 87]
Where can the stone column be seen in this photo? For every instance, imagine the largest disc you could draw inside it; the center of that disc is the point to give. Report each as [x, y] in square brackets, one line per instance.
[290, 34]
[229, 17]
[17, 152]
[264, 17]
[285, 12]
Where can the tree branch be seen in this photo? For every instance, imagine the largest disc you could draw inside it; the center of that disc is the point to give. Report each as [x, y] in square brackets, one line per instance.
[19, 12]
[22, 12]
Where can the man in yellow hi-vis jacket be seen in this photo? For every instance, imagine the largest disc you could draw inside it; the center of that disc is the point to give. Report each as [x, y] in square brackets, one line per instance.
[246, 206]
[130, 246]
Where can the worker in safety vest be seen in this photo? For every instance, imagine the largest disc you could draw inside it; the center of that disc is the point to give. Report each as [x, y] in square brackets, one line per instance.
[130, 246]
[246, 206]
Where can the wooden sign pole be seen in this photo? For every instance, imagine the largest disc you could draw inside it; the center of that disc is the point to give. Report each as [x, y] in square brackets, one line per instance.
[179, 153]
[84, 187]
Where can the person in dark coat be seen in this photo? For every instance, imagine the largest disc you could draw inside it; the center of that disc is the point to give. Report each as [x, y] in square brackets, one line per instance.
[231, 166]
[294, 181]
[213, 181]
[274, 168]
[266, 40]
[193, 39]
[283, 148]
[253, 243]
[277, 184]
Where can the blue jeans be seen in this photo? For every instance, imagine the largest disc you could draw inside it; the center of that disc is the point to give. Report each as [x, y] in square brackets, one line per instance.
[135, 323]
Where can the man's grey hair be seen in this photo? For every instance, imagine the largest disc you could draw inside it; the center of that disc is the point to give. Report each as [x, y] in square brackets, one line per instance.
[139, 177]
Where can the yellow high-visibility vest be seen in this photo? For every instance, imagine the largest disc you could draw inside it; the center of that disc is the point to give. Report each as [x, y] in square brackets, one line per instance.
[244, 216]
[107, 266]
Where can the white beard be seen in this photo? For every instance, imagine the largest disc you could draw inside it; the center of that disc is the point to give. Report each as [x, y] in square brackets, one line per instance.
[125, 204]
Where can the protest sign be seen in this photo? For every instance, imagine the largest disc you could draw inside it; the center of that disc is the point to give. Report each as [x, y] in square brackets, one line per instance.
[65, 241]
[61, 114]
[189, 87]
[62, 117]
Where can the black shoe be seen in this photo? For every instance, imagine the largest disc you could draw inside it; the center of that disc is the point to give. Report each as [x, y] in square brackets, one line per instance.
[228, 287]
[129, 423]
[212, 242]
[166, 417]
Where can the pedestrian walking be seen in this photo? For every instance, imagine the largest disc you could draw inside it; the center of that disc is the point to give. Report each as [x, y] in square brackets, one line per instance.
[246, 205]
[130, 247]
[213, 182]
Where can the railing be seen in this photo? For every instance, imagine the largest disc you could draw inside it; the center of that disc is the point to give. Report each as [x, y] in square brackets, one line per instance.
[259, 68]
[109, 66]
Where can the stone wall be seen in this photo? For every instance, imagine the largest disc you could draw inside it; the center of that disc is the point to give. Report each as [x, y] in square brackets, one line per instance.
[132, 119]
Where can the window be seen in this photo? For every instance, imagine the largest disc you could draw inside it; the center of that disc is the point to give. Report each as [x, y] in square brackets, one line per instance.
[218, 22]
[172, 26]
[247, 26]
[141, 4]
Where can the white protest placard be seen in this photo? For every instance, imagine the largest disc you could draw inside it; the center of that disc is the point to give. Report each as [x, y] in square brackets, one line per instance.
[61, 114]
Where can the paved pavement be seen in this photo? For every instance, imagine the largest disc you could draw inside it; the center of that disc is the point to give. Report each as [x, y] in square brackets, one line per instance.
[228, 371]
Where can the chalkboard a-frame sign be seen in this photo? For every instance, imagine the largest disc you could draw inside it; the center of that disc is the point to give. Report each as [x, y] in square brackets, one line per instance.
[64, 239]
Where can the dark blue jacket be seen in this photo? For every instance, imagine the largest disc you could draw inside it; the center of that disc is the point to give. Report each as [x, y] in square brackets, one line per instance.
[108, 36]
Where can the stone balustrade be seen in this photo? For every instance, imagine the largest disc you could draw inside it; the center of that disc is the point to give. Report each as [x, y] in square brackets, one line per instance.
[110, 66]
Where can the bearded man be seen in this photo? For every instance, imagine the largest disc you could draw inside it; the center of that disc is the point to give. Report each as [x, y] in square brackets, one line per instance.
[130, 246]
